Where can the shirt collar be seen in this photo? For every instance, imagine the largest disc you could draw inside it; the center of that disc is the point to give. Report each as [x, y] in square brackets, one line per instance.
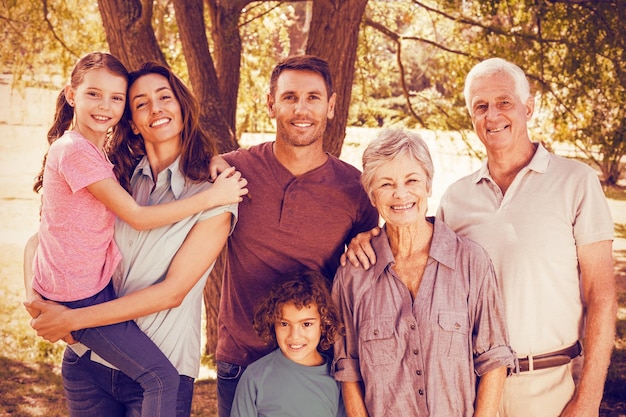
[172, 174]
[444, 244]
[443, 248]
[538, 163]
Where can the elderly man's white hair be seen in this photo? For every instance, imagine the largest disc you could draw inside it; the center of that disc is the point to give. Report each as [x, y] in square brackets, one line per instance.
[493, 66]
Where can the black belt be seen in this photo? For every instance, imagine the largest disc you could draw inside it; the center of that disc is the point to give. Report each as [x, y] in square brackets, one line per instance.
[551, 359]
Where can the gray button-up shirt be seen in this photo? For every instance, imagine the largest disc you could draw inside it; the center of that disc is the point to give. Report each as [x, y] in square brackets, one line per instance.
[421, 357]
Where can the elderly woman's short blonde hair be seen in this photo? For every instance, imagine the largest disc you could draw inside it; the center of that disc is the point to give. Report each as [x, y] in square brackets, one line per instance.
[388, 145]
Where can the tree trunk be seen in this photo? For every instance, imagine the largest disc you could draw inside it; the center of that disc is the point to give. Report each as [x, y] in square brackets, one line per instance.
[128, 28]
[227, 53]
[202, 74]
[215, 82]
[334, 36]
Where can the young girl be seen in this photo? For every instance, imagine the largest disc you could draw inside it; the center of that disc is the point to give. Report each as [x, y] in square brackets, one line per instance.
[77, 255]
[294, 379]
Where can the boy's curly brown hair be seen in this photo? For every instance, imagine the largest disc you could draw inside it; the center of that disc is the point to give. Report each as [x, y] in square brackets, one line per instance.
[303, 288]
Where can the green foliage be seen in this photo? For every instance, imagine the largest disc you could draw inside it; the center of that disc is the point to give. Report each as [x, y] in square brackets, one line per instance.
[587, 81]
[269, 32]
[397, 58]
[41, 41]
[17, 339]
[412, 58]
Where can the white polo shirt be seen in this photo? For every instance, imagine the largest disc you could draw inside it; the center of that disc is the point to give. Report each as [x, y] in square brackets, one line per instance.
[531, 233]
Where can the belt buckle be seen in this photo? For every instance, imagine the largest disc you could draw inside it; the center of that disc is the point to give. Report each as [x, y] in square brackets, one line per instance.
[548, 360]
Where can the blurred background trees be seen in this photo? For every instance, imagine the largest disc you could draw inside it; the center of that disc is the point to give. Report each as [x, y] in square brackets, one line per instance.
[394, 62]
[399, 61]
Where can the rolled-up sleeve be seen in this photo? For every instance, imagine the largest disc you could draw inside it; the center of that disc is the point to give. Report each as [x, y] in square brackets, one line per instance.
[490, 337]
[345, 366]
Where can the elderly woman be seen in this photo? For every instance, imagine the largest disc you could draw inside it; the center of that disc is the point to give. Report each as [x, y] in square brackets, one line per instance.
[426, 321]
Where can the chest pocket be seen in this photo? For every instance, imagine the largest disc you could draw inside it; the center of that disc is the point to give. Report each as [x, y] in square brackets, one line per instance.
[453, 335]
[378, 342]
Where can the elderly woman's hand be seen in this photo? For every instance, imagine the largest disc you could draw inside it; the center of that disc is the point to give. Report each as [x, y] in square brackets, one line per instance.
[360, 251]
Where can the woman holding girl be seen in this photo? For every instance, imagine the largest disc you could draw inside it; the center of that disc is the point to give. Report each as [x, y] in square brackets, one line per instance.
[160, 279]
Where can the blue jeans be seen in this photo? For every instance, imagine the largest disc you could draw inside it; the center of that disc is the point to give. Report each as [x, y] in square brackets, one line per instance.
[228, 376]
[95, 390]
[135, 354]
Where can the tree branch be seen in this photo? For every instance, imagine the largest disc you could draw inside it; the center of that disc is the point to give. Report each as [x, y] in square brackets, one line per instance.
[405, 90]
[276, 6]
[44, 3]
[492, 29]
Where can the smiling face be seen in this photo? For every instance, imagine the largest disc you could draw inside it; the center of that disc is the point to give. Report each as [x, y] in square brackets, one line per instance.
[156, 112]
[298, 332]
[498, 114]
[400, 192]
[98, 103]
[301, 107]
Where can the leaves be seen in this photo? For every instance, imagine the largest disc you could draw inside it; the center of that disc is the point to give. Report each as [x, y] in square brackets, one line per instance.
[572, 52]
[412, 58]
[50, 34]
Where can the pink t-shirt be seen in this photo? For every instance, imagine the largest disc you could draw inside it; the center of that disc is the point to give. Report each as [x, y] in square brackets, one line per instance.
[76, 255]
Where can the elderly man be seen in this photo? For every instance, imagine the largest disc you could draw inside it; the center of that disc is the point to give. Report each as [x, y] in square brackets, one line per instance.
[546, 225]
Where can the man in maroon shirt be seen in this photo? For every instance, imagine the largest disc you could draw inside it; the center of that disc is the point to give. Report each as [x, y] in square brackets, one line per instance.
[305, 205]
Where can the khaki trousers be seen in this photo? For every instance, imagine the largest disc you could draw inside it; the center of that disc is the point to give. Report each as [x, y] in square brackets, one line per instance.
[542, 393]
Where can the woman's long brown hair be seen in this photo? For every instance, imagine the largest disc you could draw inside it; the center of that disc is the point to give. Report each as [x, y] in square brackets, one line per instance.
[197, 146]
